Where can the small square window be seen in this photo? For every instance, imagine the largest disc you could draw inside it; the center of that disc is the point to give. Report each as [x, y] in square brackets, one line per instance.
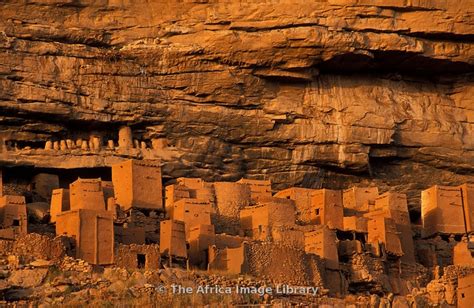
[317, 211]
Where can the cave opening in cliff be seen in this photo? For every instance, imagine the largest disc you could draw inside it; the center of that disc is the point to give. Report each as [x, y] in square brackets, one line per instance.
[83, 129]
[394, 63]
[67, 176]
[33, 144]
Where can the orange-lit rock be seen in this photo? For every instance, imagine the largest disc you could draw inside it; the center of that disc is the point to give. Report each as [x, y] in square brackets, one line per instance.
[294, 98]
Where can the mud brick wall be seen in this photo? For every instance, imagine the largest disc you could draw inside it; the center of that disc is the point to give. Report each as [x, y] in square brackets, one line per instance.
[127, 256]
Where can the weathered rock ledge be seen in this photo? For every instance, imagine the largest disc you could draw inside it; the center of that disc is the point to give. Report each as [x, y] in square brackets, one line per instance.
[302, 93]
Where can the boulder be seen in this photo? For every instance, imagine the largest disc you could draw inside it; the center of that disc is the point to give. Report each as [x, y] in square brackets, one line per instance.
[27, 278]
[38, 210]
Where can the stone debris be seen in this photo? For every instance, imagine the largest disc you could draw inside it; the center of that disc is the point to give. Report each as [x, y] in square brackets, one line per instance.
[72, 264]
[27, 278]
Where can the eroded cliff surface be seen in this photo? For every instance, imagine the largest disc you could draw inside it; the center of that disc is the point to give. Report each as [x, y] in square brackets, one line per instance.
[318, 94]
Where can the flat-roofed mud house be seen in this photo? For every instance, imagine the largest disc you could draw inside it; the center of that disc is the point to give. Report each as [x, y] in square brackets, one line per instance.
[358, 199]
[13, 217]
[441, 210]
[92, 231]
[138, 184]
[88, 222]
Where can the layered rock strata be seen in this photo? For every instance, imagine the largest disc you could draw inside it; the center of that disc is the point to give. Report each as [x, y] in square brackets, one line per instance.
[318, 94]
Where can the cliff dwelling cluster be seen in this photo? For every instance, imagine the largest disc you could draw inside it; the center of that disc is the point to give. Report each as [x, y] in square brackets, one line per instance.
[342, 241]
[321, 144]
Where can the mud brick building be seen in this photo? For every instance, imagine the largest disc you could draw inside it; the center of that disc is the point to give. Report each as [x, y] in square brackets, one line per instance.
[138, 184]
[441, 210]
[135, 256]
[228, 260]
[230, 199]
[383, 230]
[462, 254]
[198, 189]
[408, 245]
[59, 202]
[355, 223]
[468, 205]
[191, 189]
[228, 254]
[465, 291]
[322, 242]
[173, 239]
[125, 138]
[258, 188]
[199, 239]
[347, 248]
[81, 214]
[291, 236]
[330, 238]
[126, 234]
[304, 202]
[359, 199]
[285, 264]
[193, 212]
[86, 194]
[174, 193]
[258, 220]
[231, 241]
[13, 216]
[107, 189]
[92, 231]
[394, 206]
[327, 208]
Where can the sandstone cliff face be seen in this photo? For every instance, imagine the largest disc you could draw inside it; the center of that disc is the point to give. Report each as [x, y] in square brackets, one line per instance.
[315, 94]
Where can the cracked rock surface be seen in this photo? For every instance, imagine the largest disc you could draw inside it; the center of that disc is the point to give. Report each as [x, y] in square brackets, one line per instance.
[318, 94]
